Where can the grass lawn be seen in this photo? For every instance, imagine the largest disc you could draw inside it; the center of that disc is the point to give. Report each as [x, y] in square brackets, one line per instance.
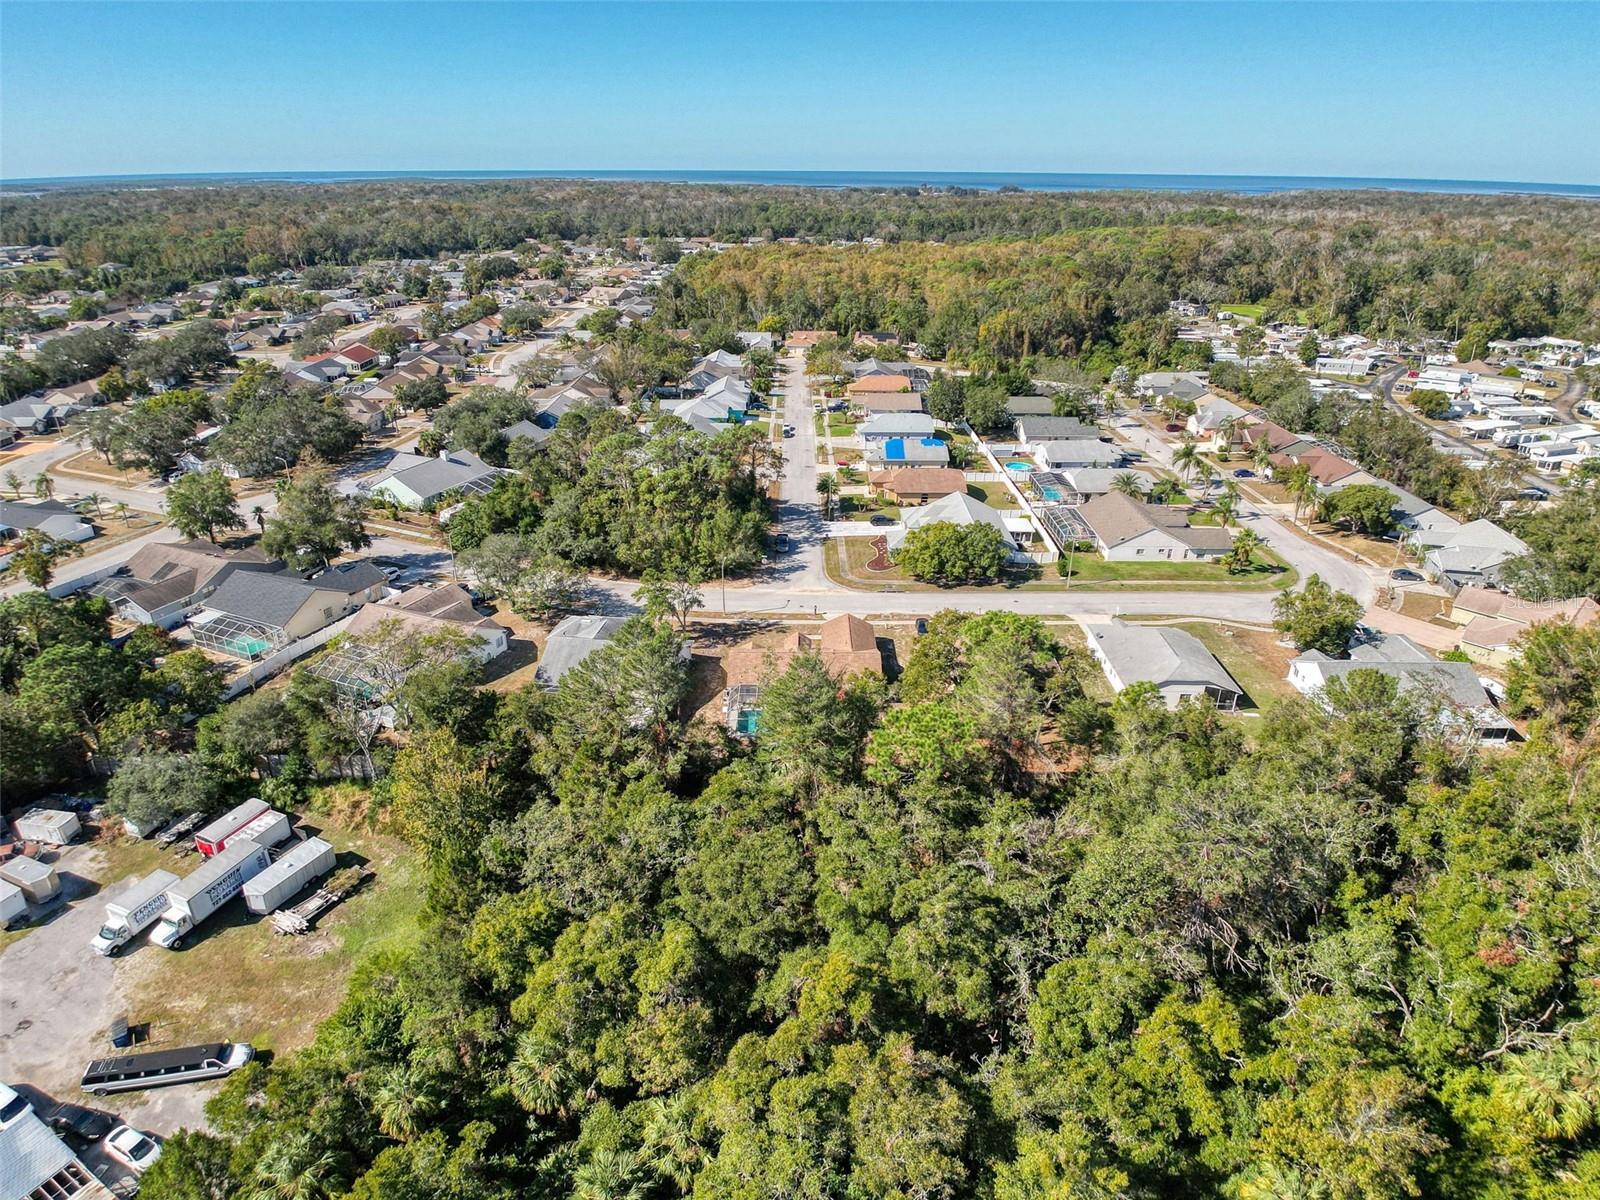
[840, 426]
[1087, 570]
[995, 495]
[237, 980]
[1252, 656]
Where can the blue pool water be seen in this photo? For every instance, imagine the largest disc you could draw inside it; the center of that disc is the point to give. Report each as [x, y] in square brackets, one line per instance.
[1050, 492]
[1021, 468]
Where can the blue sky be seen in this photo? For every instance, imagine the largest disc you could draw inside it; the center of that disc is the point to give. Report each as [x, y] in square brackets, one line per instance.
[1432, 90]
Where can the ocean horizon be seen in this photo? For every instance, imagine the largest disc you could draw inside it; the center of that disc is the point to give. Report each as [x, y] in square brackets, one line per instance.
[1035, 181]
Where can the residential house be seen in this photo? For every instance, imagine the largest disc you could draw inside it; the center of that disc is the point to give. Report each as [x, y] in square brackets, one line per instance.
[1036, 431]
[1212, 415]
[34, 414]
[958, 508]
[1493, 621]
[1076, 485]
[723, 402]
[1473, 555]
[417, 482]
[1182, 385]
[878, 385]
[428, 610]
[847, 645]
[530, 431]
[252, 614]
[570, 643]
[1129, 530]
[719, 364]
[1454, 685]
[365, 410]
[866, 367]
[882, 426]
[50, 517]
[1175, 661]
[319, 370]
[1057, 456]
[1413, 515]
[907, 452]
[1328, 471]
[358, 356]
[907, 486]
[804, 339]
[756, 340]
[163, 581]
[1030, 406]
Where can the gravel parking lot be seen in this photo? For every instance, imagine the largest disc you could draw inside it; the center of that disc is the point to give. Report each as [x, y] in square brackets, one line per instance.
[58, 1000]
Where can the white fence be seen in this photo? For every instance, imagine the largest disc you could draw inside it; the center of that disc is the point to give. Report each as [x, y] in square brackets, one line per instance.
[984, 476]
[274, 663]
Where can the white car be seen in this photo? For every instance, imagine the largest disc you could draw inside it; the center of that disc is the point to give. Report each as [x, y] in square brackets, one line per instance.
[131, 1148]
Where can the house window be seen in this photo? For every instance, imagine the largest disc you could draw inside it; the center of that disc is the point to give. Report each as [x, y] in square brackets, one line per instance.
[1140, 551]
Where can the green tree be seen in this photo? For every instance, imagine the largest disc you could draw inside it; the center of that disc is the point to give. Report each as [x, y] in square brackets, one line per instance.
[36, 558]
[1309, 349]
[314, 523]
[948, 554]
[1317, 617]
[203, 502]
[1363, 507]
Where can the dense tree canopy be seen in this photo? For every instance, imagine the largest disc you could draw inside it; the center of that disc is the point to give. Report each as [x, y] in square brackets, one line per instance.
[992, 939]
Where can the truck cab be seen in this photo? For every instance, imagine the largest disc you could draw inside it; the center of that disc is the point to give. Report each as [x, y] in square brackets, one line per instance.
[110, 939]
[169, 931]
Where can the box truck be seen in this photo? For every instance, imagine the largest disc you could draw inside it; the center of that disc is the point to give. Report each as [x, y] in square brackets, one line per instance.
[192, 899]
[13, 904]
[51, 826]
[133, 912]
[308, 860]
[214, 837]
[39, 882]
[270, 828]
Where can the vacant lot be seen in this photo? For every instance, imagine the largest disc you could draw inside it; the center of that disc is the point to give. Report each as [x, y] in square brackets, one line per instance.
[235, 981]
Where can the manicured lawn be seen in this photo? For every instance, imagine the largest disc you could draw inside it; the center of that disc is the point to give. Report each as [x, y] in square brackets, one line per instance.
[1253, 311]
[840, 426]
[1088, 570]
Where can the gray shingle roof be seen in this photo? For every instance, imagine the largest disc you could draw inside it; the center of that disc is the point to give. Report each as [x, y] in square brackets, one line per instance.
[1160, 655]
[571, 642]
[265, 599]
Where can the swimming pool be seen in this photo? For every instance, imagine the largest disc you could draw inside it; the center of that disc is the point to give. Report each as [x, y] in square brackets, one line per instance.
[1051, 492]
[1021, 468]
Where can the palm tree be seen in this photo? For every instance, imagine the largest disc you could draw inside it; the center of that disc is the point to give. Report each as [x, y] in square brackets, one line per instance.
[260, 515]
[1301, 487]
[1245, 544]
[397, 1105]
[95, 500]
[539, 1086]
[1228, 508]
[291, 1169]
[43, 486]
[1186, 460]
[827, 488]
[120, 511]
[1261, 454]
[1127, 483]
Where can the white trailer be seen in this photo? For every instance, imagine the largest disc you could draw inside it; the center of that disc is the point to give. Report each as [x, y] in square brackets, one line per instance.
[52, 826]
[191, 900]
[214, 837]
[269, 829]
[270, 890]
[13, 904]
[133, 912]
[38, 882]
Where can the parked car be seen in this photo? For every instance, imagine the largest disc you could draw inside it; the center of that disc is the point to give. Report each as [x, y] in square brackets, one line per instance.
[788, 431]
[78, 1126]
[1174, 427]
[1244, 473]
[1405, 575]
[880, 519]
[780, 543]
[922, 626]
[135, 1150]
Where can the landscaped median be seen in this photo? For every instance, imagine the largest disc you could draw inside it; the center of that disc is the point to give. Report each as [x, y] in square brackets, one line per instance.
[846, 559]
